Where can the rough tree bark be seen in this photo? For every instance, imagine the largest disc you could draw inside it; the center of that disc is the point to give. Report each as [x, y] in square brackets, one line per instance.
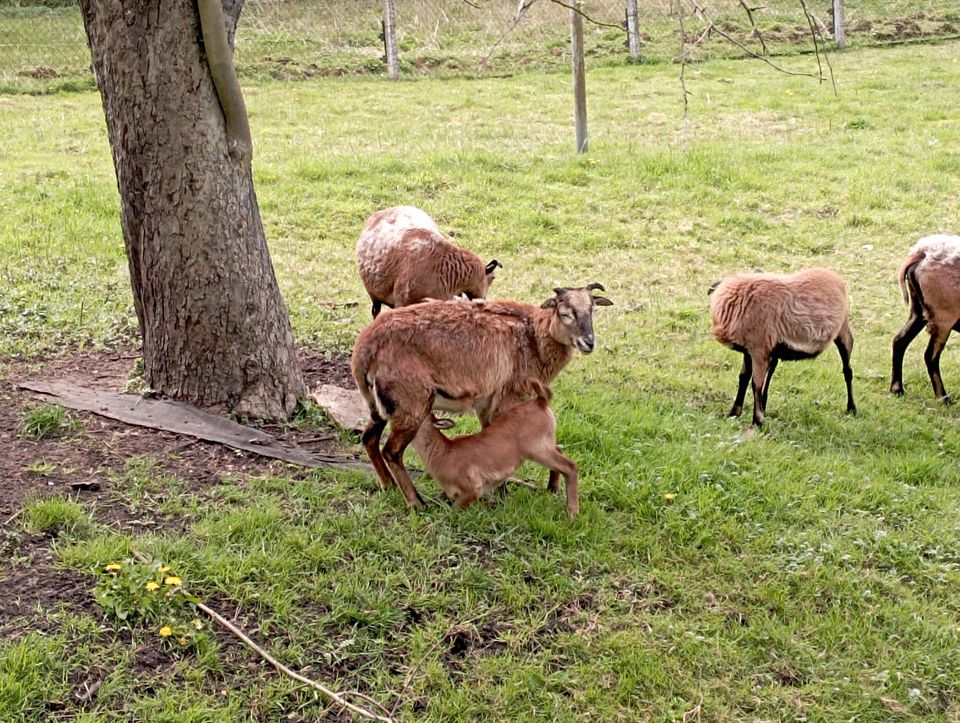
[214, 328]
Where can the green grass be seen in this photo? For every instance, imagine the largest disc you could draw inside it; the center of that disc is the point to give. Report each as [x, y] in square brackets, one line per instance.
[56, 515]
[806, 571]
[45, 421]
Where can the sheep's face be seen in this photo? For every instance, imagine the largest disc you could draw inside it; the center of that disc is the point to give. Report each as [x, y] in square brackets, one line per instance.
[479, 290]
[574, 309]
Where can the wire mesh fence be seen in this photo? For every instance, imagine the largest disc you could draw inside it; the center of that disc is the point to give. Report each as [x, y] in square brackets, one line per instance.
[43, 46]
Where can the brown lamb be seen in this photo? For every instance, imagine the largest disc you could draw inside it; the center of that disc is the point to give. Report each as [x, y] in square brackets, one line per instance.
[930, 284]
[403, 258]
[456, 355]
[769, 317]
[468, 467]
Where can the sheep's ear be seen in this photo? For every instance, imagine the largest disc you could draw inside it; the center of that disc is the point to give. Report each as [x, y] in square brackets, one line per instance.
[442, 423]
[492, 267]
[601, 301]
[550, 303]
[713, 287]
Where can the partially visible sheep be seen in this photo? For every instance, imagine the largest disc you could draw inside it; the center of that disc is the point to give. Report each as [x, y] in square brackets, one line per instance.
[930, 284]
[403, 258]
[470, 466]
[769, 317]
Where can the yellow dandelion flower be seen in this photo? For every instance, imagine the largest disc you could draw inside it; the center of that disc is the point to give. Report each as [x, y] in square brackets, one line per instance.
[151, 586]
[172, 580]
[166, 631]
[197, 624]
[669, 496]
[164, 568]
[112, 567]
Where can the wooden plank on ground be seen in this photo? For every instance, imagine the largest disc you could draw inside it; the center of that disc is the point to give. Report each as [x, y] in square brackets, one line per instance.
[180, 418]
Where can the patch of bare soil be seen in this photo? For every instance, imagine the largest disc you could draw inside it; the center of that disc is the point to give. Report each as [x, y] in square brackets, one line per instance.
[88, 464]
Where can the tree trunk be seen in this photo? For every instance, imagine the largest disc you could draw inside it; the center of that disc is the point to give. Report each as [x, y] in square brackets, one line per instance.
[579, 76]
[390, 39]
[215, 331]
[633, 30]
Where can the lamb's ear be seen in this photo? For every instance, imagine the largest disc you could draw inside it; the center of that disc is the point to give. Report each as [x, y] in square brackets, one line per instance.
[601, 301]
[442, 423]
[492, 267]
[713, 287]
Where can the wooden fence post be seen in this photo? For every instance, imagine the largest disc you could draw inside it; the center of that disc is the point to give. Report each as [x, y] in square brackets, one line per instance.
[839, 32]
[633, 30]
[390, 39]
[579, 76]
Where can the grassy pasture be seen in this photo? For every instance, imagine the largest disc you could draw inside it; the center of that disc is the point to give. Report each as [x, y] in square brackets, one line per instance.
[808, 571]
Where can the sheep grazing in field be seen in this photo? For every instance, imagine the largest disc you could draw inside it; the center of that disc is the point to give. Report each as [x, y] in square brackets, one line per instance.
[930, 284]
[769, 317]
[470, 466]
[456, 355]
[404, 258]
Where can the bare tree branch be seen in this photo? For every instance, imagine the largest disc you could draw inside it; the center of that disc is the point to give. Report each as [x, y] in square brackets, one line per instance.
[578, 11]
[522, 8]
[756, 31]
[813, 34]
[714, 28]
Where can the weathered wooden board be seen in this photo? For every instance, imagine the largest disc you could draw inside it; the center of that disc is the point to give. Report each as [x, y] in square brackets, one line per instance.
[181, 418]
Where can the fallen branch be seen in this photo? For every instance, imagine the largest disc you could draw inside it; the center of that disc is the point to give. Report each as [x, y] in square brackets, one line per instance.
[337, 698]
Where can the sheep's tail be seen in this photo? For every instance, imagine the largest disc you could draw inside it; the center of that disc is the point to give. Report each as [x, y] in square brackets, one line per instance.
[364, 376]
[907, 289]
[544, 395]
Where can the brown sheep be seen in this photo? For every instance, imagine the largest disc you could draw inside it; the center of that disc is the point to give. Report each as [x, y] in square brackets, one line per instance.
[403, 258]
[930, 284]
[470, 466]
[457, 354]
[769, 317]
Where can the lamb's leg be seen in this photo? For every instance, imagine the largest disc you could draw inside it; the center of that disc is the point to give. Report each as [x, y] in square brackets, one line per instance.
[371, 443]
[760, 363]
[900, 343]
[766, 382]
[938, 340]
[745, 372]
[557, 463]
[844, 344]
[375, 308]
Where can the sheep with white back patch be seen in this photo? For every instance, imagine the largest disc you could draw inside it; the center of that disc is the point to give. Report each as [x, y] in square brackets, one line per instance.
[930, 283]
[769, 317]
[403, 259]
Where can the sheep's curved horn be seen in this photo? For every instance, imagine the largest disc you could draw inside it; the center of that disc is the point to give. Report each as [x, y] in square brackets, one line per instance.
[493, 266]
[594, 285]
[558, 289]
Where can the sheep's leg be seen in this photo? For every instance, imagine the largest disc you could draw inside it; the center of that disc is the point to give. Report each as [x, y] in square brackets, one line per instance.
[556, 462]
[397, 442]
[375, 308]
[938, 340]
[371, 443]
[745, 372]
[844, 344]
[766, 382]
[900, 343]
[759, 377]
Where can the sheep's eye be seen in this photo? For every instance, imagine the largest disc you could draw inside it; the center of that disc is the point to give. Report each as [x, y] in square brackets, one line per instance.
[567, 314]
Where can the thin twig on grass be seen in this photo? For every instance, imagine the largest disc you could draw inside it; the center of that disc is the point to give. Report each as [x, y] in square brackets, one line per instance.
[337, 698]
